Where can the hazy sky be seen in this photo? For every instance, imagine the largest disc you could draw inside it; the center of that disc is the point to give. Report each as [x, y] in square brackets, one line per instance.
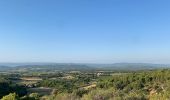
[80, 31]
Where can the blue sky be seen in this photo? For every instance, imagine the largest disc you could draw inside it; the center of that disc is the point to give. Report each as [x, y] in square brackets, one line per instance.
[85, 31]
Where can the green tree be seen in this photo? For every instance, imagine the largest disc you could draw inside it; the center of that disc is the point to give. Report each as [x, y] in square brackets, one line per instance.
[11, 96]
[34, 96]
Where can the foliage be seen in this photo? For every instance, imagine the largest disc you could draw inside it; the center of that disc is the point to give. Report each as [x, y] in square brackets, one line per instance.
[34, 96]
[141, 85]
[11, 96]
[8, 87]
[98, 94]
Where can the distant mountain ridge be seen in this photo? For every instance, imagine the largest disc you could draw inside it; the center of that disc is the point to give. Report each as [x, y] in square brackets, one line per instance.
[74, 66]
[133, 66]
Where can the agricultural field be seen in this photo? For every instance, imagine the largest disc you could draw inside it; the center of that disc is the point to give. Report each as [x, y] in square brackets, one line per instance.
[86, 85]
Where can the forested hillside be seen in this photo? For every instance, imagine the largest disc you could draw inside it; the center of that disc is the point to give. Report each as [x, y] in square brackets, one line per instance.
[140, 85]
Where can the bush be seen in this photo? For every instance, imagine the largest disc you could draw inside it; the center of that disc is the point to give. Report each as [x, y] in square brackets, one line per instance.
[11, 96]
[34, 96]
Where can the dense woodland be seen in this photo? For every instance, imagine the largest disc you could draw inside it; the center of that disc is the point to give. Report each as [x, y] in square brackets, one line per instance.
[136, 85]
